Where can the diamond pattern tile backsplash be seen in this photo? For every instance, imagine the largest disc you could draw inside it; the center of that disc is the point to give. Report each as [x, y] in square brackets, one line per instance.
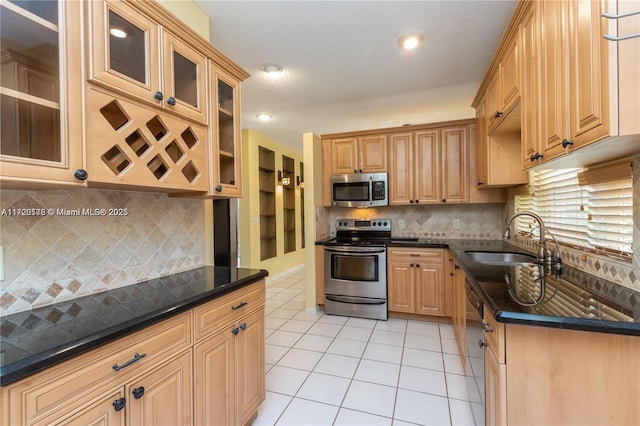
[57, 257]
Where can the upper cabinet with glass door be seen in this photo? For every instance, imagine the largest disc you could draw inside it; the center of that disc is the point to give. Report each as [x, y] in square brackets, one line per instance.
[227, 144]
[40, 104]
[135, 56]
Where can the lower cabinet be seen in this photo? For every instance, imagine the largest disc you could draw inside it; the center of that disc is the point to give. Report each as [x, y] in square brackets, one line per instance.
[157, 376]
[229, 371]
[416, 281]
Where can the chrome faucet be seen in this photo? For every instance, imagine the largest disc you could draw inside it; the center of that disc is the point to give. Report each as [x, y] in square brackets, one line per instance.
[543, 252]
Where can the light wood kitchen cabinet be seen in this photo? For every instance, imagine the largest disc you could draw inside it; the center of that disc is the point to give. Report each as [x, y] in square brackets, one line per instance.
[530, 87]
[146, 61]
[548, 366]
[429, 166]
[458, 310]
[41, 107]
[226, 172]
[416, 281]
[229, 357]
[358, 154]
[503, 90]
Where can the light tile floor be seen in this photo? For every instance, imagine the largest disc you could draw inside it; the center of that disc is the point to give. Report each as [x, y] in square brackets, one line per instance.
[333, 370]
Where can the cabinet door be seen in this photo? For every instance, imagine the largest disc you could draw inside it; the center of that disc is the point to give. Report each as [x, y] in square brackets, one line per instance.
[588, 73]
[185, 78]
[495, 384]
[214, 375]
[372, 152]
[41, 106]
[509, 77]
[530, 102]
[125, 50]
[430, 289]
[483, 144]
[493, 97]
[100, 411]
[455, 165]
[227, 139]
[401, 168]
[162, 396]
[250, 375]
[344, 156]
[554, 84]
[401, 286]
[427, 167]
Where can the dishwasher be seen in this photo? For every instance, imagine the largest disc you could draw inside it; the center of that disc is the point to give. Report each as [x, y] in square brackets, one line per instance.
[475, 358]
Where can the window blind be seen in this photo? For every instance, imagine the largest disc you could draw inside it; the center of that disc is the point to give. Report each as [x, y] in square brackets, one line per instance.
[610, 215]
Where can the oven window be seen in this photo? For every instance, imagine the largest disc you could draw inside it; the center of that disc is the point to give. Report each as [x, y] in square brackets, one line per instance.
[354, 268]
[351, 191]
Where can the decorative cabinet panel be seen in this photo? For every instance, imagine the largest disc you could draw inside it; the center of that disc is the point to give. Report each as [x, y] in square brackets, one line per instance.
[41, 105]
[416, 281]
[134, 55]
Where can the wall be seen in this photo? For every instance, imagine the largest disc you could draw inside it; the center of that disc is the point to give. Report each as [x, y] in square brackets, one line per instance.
[249, 209]
[189, 13]
[53, 258]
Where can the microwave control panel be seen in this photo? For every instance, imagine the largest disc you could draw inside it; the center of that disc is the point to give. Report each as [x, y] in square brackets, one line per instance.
[378, 189]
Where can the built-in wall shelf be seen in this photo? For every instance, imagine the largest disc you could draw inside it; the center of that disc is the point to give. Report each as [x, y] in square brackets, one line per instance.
[267, 176]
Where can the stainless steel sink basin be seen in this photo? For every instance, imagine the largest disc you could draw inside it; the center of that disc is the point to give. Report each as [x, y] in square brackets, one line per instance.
[501, 258]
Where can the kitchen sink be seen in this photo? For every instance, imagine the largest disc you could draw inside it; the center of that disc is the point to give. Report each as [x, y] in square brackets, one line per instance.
[501, 258]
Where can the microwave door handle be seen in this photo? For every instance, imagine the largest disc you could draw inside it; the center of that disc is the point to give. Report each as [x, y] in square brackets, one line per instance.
[371, 191]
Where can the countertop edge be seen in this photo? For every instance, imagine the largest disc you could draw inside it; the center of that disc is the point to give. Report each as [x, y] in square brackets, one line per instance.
[13, 372]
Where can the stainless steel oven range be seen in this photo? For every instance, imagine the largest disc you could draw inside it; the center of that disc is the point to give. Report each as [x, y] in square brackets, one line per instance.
[356, 269]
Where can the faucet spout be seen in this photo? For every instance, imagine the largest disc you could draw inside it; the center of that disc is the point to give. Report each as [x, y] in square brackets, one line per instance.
[542, 248]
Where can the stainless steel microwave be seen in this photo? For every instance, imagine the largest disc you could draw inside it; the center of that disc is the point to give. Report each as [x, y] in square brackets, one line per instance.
[359, 190]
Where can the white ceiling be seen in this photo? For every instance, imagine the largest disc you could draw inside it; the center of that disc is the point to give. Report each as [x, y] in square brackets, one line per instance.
[343, 69]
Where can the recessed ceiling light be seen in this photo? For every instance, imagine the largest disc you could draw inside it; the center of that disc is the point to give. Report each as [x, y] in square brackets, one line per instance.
[264, 117]
[271, 68]
[410, 41]
[118, 32]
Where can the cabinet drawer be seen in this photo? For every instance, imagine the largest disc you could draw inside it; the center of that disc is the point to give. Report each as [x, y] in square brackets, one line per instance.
[214, 315]
[494, 336]
[74, 383]
[436, 255]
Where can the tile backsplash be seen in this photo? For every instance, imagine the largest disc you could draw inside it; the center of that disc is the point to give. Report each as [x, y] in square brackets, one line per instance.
[67, 253]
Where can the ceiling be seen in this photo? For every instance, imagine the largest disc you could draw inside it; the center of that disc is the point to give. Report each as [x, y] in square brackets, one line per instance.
[343, 68]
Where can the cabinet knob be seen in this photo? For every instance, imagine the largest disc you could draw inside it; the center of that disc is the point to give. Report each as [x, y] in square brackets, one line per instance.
[81, 174]
[444, 200]
[355, 170]
[566, 143]
[482, 344]
[119, 404]
[410, 201]
[138, 392]
[243, 326]
[360, 170]
[480, 183]
[158, 96]
[417, 201]
[218, 188]
[498, 114]
[411, 265]
[171, 100]
[235, 331]
[536, 156]
[417, 265]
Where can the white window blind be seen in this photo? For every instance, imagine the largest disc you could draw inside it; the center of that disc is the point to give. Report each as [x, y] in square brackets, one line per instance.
[598, 216]
[560, 202]
[610, 214]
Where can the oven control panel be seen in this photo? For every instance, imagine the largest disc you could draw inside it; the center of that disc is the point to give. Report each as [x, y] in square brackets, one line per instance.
[363, 225]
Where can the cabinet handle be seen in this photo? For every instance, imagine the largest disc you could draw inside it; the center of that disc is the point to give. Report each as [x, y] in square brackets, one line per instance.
[417, 201]
[138, 392]
[158, 96]
[480, 183]
[566, 143]
[482, 344]
[218, 188]
[411, 265]
[243, 326]
[235, 331]
[137, 357]
[536, 156]
[360, 170]
[119, 404]
[81, 174]
[410, 201]
[171, 100]
[355, 170]
[417, 265]
[498, 114]
[238, 306]
[451, 274]
[444, 200]
[456, 267]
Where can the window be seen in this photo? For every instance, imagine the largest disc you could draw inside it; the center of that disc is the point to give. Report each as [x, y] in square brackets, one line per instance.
[598, 215]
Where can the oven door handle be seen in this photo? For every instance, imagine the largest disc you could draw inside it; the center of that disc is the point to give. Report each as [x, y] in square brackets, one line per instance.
[355, 300]
[356, 250]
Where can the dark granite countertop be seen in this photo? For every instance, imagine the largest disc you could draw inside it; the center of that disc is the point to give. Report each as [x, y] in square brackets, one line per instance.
[574, 300]
[33, 340]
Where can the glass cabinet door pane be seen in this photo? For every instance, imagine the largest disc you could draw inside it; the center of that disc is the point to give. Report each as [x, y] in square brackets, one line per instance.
[185, 74]
[30, 81]
[226, 134]
[47, 10]
[127, 48]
